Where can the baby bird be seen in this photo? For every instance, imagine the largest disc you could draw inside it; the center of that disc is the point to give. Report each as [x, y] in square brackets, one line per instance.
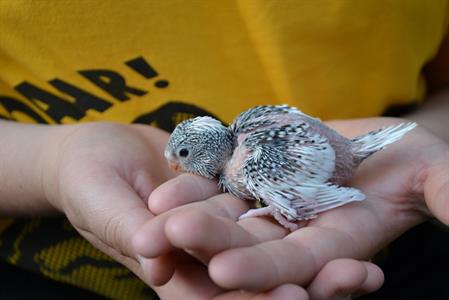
[291, 162]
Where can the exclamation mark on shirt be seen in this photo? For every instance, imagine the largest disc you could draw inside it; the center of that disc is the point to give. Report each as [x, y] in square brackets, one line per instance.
[141, 66]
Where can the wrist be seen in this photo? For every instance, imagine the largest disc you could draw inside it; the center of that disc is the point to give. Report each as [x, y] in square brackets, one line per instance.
[51, 154]
[433, 115]
[21, 169]
[43, 185]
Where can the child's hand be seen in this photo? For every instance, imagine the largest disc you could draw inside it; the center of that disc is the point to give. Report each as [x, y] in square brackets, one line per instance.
[256, 254]
[202, 240]
[100, 175]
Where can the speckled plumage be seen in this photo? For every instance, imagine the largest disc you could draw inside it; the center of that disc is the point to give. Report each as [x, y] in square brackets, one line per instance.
[290, 161]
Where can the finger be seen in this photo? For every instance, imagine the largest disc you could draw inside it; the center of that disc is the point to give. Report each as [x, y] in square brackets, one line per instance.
[150, 240]
[374, 280]
[158, 271]
[343, 277]
[294, 259]
[110, 227]
[436, 189]
[264, 263]
[183, 189]
[338, 278]
[190, 281]
[115, 224]
[286, 291]
[144, 183]
[210, 234]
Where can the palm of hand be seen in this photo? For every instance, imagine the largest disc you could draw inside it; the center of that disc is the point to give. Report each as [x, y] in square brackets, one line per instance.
[393, 181]
[100, 175]
[258, 254]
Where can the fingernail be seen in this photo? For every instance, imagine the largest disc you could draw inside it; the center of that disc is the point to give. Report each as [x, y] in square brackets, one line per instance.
[140, 259]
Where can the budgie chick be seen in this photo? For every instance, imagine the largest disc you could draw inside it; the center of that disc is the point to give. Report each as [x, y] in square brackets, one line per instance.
[291, 162]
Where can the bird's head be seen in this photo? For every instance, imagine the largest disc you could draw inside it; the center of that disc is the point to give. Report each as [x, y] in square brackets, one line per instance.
[200, 146]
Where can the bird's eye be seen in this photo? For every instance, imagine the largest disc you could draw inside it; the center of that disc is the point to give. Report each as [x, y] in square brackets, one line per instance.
[183, 152]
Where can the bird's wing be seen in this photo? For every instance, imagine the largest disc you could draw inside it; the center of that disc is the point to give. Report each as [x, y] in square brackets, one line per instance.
[289, 166]
[263, 116]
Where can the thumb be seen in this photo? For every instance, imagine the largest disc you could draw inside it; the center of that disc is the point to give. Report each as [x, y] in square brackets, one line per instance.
[111, 211]
[183, 189]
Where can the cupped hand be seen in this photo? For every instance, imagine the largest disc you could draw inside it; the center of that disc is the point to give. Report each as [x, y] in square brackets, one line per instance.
[405, 184]
[189, 223]
[100, 176]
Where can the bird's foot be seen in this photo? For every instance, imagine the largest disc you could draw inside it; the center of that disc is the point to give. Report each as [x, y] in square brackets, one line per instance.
[284, 222]
[258, 212]
[270, 210]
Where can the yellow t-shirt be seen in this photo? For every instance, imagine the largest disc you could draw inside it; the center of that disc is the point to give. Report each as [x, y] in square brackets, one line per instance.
[159, 62]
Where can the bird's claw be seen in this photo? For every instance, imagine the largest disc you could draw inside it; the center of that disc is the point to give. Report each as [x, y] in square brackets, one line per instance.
[271, 211]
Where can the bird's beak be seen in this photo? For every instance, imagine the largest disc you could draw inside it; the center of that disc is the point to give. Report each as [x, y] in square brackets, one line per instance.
[173, 162]
[173, 166]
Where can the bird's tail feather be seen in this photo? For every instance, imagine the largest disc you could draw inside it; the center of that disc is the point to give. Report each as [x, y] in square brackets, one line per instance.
[367, 144]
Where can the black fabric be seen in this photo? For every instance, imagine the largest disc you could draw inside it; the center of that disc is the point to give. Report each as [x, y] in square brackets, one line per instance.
[16, 283]
[416, 265]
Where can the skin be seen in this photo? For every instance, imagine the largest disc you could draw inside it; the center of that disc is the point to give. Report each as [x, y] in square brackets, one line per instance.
[100, 176]
[402, 184]
[406, 185]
